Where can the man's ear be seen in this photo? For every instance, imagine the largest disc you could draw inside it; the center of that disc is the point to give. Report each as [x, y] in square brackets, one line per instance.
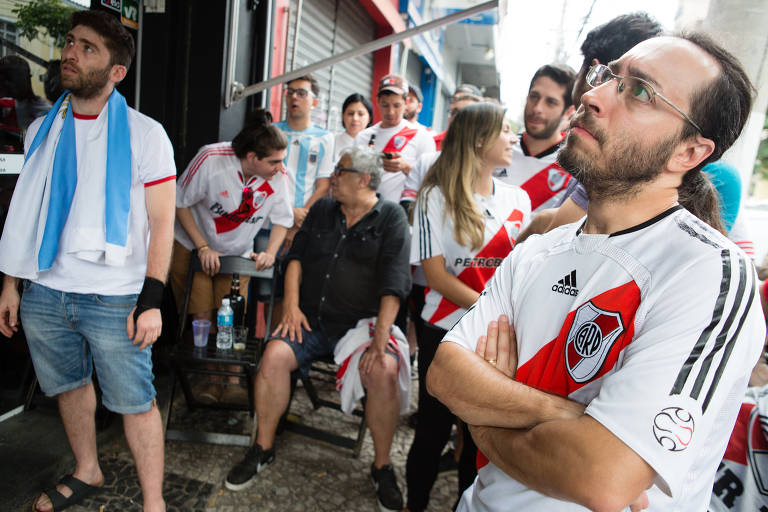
[365, 179]
[117, 73]
[569, 112]
[315, 101]
[690, 153]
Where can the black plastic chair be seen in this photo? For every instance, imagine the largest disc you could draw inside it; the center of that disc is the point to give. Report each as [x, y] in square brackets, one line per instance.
[186, 359]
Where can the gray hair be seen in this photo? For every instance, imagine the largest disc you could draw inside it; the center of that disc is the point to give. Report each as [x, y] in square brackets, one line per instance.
[366, 161]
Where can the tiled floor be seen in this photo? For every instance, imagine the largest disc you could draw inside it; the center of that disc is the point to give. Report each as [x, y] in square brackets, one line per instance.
[308, 475]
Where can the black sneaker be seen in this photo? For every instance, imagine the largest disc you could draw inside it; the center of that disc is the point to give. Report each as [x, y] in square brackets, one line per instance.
[387, 491]
[244, 473]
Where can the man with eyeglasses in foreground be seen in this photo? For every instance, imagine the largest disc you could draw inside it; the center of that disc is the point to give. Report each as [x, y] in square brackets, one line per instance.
[634, 332]
[349, 261]
[309, 160]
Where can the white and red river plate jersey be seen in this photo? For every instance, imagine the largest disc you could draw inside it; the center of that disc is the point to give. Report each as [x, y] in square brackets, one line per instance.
[741, 483]
[506, 212]
[654, 328]
[540, 175]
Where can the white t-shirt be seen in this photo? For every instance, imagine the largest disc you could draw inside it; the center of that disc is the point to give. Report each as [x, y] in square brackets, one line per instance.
[309, 158]
[506, 212]
[228, 211]
[151, 163]
[655, 328]
[416, 176]
[540, 176]
[343, 141]
[405, 138]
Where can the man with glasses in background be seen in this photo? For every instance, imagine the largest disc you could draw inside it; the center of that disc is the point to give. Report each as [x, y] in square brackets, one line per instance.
[349, 261]
[634, 332]
[309, 160]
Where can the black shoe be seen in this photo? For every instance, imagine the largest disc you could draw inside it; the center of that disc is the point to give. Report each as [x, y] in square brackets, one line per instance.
[244, 473]
[387, 491]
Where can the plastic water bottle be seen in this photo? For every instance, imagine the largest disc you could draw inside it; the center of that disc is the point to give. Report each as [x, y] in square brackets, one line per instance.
[224, 320]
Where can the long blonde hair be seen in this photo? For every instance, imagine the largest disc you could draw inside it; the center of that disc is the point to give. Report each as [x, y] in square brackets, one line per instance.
[456, 169]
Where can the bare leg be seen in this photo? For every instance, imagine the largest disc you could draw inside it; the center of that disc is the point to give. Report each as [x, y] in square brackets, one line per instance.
[144, 432]
[382, 408]
[78, 408]
[273, 389]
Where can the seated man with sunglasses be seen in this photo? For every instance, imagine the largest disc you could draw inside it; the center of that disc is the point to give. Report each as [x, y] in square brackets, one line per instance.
[633, 332]
[348, 261]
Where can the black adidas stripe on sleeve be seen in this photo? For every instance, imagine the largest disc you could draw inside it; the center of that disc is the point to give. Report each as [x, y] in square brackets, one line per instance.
[722, 342]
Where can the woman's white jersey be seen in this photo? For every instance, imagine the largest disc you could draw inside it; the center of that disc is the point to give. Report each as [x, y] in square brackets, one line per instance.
[506, 211]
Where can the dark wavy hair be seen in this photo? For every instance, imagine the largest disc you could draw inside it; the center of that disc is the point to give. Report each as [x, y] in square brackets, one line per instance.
[259, 135]
[720, 108]
[357, 98]
[561, 74]
[118, 40]
[614, 38]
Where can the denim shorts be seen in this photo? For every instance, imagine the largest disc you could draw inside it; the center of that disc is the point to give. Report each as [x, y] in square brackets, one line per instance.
[314, 345]
[70, 333]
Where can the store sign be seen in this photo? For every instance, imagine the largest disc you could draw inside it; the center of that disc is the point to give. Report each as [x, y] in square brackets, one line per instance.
[11, 163]
[112, 4]
[130, 14]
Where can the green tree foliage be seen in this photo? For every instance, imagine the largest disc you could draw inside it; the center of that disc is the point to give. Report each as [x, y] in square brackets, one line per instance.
[761, 164]
[39, 18]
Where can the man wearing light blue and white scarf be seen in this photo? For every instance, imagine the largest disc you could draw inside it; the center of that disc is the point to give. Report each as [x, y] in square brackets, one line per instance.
[98, 179]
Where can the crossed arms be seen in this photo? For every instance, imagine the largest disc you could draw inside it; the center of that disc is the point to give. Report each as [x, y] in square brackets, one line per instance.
[544, 441]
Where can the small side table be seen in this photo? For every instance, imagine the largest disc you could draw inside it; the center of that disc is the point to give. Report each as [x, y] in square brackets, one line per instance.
[187, 359]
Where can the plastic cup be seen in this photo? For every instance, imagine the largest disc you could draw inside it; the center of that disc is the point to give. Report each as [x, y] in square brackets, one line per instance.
[200, 330]
[241, 335]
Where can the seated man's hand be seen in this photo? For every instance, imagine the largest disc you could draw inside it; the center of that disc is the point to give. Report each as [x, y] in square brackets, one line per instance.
[499, 347]
[371, 358]
[262, 260]
[209, 259]
[290, 325]
[299, 214]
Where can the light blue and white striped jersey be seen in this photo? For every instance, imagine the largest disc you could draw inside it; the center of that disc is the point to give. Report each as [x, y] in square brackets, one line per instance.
[310, 156]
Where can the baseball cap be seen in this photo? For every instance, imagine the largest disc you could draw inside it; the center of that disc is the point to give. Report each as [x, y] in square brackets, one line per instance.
[394, 83]
[468, 89]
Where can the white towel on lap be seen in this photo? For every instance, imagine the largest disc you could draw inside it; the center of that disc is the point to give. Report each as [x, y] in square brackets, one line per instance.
[347, 354]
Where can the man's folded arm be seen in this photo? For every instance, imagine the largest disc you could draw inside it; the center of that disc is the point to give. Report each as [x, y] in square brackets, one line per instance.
[482, 395]
[576, 460]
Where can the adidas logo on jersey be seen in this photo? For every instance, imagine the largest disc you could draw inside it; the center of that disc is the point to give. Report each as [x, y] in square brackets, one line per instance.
[567, 285]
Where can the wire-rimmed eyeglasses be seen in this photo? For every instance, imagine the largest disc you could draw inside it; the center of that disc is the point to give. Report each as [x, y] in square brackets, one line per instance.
[638, 88]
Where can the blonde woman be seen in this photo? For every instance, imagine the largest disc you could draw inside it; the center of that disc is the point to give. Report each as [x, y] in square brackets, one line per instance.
[465, 224]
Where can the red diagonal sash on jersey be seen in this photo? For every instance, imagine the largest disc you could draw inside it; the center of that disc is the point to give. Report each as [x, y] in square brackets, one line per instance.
[400, 140]
[250, 204]
[547, 370]
[476, 277]
[545, 184]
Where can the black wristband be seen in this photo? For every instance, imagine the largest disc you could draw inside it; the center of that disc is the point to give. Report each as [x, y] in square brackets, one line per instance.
[151, 296]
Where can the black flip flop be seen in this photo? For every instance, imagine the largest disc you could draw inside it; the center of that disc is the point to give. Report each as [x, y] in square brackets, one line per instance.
[80, 490]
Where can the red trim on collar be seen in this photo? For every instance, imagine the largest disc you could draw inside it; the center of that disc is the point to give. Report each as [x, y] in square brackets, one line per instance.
[85, 117]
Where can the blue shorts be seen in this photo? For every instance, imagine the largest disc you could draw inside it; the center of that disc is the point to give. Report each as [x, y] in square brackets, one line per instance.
[70, 333]
[314, 345]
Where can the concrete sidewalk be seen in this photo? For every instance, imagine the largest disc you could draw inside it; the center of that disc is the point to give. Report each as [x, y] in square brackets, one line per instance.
[308, 475]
